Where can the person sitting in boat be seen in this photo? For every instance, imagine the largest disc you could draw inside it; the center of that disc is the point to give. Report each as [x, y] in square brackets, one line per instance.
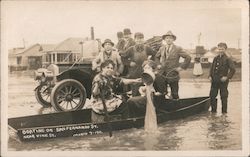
[137, 104]
[105, 93]
[108, 53]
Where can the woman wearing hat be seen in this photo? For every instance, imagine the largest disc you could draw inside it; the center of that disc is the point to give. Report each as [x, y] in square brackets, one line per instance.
[108, 53]
[168, 56]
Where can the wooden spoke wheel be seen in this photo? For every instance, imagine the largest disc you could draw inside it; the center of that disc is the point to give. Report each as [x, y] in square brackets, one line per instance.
[42, 93]
[68, 95]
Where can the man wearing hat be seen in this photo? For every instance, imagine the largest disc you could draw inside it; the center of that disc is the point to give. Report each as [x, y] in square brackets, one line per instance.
[121, 41]
[108, 53]
[168, 56]
[129, 41]
[221, 71]
[135, 56]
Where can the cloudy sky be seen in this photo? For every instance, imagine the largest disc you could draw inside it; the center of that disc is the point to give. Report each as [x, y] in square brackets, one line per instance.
[50, 22]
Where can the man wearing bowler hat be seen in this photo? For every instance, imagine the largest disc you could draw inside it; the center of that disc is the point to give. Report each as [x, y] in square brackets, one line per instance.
[121, 41]
[168, 56]
[221, 71]
[108, 53]
[129, 41]
[136, 55]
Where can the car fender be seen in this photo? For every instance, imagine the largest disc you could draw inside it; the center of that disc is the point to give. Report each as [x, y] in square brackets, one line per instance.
[84, 77]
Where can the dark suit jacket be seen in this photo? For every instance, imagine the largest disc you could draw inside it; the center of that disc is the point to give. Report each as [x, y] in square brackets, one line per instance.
[222, 66]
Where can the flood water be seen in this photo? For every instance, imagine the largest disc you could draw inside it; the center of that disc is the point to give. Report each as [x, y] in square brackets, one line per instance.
[204, 131]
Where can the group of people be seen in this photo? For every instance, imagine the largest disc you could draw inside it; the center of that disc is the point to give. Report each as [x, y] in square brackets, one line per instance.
[120, 68]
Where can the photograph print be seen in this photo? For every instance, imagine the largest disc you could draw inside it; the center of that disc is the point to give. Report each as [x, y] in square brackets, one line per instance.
[125, 78]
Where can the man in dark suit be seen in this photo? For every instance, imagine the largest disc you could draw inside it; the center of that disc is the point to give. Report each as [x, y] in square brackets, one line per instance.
[121, 41]
[128, 42]
[136, 55]
[168, 59]
[221, 71]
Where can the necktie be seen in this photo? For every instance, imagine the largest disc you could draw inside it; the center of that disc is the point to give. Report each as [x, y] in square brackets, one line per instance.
[167, 52]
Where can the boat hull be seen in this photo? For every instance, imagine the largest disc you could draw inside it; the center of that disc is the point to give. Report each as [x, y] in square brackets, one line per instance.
[78, 123]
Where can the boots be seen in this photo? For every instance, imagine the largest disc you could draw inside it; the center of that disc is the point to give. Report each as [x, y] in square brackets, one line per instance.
[213, 103]
[224, 105]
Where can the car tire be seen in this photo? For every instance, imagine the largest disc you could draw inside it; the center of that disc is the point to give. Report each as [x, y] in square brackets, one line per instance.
[42, 93]
[68, 95]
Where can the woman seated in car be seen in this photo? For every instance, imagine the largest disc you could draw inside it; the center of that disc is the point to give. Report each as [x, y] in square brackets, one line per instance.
[105, 92]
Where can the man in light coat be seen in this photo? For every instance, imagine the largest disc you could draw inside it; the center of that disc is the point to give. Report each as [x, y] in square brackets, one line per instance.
[168, 59]
[109, 53]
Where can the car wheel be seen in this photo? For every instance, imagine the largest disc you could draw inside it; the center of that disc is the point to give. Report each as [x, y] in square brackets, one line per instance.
[42, 93]
[68, 95]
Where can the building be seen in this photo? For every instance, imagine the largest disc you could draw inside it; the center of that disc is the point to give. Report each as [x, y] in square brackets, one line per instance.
[71, 50]
[27, 59]
[13, 61]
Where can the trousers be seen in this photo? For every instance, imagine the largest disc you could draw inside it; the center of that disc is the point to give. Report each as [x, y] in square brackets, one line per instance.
[222, 87]
[174, 86]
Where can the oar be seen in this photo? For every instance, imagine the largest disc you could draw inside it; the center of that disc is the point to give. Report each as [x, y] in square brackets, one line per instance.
[106, 113]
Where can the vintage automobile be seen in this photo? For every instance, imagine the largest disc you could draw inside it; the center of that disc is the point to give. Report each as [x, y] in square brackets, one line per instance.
[66, 85]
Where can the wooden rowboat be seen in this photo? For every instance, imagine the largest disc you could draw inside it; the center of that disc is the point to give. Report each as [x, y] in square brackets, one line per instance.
[78, 123]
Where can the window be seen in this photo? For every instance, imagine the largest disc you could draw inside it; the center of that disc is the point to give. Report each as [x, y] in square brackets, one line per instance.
[19, 60]
[48, 58]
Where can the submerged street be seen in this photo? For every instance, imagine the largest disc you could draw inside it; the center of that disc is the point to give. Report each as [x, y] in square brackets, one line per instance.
[204, 131]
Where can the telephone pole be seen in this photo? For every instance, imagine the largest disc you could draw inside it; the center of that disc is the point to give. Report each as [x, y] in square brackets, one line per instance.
[238, 43]
[23, 43]
[92, 33]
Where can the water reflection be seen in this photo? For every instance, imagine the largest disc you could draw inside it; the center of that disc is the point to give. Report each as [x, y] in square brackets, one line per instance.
[197, 132]
[151, 140]
[219, 131]
[169, 139]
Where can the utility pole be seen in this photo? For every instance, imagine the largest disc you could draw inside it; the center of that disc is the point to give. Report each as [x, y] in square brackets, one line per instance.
[23, 43]
[92, 33]
[199, 38]
[238, 43]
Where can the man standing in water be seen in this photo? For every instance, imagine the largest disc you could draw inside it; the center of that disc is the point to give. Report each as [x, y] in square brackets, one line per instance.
[221, 71]
[168, 56]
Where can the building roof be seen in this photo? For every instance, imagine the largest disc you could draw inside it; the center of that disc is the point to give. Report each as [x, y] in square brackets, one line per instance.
[70, 44]
[47, 47]
[17, 50]
[35, 50]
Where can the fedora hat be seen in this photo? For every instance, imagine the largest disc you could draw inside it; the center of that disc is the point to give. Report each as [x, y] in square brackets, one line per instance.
[139, 35]
[119, 34]
[127, 31]
[169, 33]
[107, 41]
